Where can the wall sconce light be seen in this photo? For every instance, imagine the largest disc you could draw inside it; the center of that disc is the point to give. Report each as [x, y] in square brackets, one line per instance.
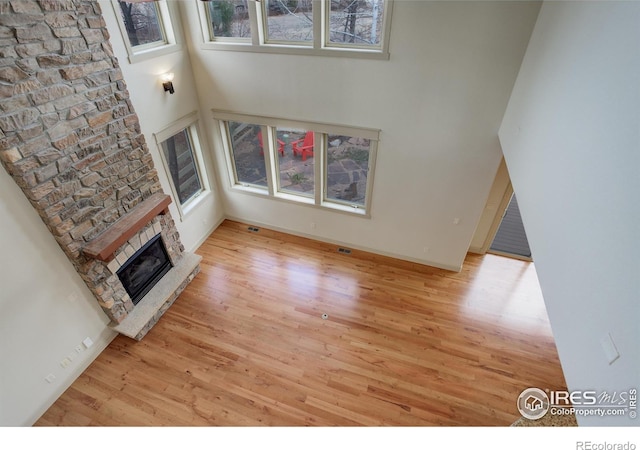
[167, 82]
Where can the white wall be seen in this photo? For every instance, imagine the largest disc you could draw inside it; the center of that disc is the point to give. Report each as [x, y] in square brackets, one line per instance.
[439, 102]
[46, 310]
[571, 139]
[157, 109]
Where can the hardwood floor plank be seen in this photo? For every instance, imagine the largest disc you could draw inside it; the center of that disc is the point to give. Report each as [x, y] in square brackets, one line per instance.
[403, 344]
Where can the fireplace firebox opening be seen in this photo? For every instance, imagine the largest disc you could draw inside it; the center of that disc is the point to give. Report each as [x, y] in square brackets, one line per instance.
[144, 269]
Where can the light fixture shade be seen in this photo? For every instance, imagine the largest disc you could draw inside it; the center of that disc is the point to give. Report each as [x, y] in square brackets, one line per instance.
[167, 82]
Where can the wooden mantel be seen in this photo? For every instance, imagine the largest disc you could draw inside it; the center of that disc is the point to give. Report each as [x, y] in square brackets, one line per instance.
[104, 246]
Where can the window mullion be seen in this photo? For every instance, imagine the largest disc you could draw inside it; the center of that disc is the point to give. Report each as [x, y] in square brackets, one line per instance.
[373, 155]
[319, 12]
[386, 25]
[256, 18]
[162, 12]
[227, 145]
[270, 160]
[320, 142]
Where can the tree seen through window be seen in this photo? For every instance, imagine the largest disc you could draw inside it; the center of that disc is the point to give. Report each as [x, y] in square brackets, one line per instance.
[142, 22]
[229, 18]
[356, 22]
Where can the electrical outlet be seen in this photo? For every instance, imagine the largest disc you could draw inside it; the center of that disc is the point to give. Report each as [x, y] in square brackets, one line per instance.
[313, 225]
[65, 363]
[50, 378]
[425, 249]
[87, 342]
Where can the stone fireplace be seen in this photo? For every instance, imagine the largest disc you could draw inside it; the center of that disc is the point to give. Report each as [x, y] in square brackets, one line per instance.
[70, 138]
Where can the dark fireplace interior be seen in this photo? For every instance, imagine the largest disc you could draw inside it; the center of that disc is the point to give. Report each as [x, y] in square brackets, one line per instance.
[144, 269]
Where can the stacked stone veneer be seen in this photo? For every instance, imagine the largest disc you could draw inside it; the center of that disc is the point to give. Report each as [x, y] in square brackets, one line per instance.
[69, 135]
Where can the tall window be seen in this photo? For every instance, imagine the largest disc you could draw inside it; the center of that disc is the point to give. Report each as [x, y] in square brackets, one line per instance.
[182, 158]
[296, 174]
[247, 150]
[329, 166]
[347, 169]
[359, 28]
[147, 28]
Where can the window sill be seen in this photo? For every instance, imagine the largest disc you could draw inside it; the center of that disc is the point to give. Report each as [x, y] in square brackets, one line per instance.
[191, 205]
[263, 192]
[359, 211]
[154, 52]
[357, 53]
[295, 198]
[299, 200]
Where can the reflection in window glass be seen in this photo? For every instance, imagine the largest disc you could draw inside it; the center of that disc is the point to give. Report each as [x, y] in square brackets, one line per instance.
[229, 18]
[142, 22]
[347, 169]
[289, 20]
[180, 160]
[296, 166]
[247, 151]
[356, 22]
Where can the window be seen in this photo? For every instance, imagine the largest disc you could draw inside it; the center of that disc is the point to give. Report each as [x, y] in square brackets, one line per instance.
[143, 24]
[356, 23]
[147, 28]
[178, 154]
[228, 19]
[244, 140]
[288, 21]
[182, 159]
[357, 28]
[296, 175]
[347, 169]
[325, 165]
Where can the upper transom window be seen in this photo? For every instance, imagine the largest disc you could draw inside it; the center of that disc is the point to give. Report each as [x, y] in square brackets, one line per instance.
[357, 28]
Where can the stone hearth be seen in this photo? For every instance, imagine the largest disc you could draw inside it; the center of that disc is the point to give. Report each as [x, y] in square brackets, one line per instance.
[70, 138]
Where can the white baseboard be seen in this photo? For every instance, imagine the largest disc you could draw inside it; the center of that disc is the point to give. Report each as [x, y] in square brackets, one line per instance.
[348, 245]
[476, 250]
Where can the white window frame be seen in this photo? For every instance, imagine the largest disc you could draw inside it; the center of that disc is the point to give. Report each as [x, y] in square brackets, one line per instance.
[169, 26]
[191, 124]
[233, 174]
[269, 126]
[207, 32]
[320, 46]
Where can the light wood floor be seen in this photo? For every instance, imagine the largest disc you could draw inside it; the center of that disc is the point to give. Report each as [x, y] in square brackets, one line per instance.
[403, 344]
